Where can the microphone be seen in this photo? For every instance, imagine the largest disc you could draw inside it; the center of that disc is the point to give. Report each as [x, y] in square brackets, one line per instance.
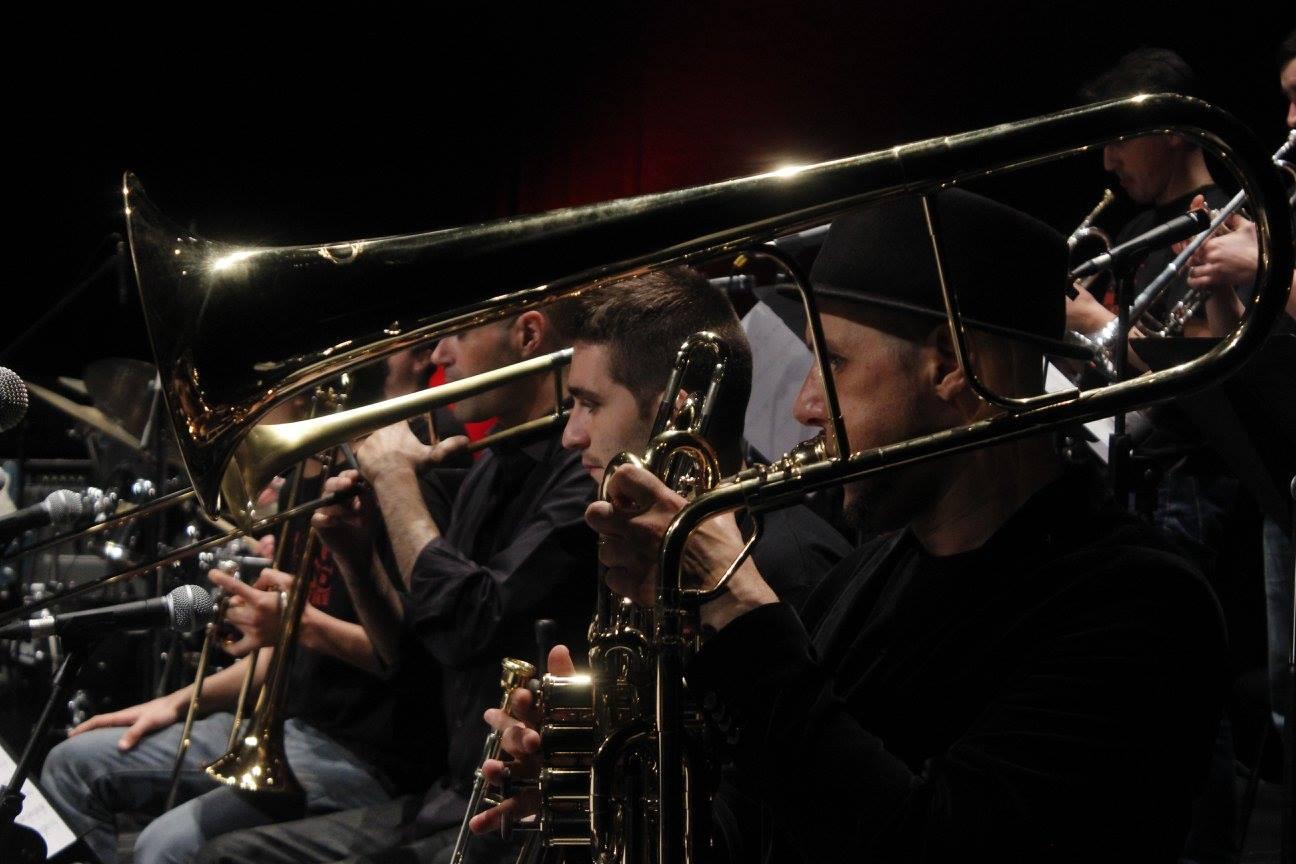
[13, 399]
[185, 610]
[1179, 228]
[61, 508]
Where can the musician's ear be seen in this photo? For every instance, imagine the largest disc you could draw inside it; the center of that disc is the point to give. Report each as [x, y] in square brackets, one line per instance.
[528, 334]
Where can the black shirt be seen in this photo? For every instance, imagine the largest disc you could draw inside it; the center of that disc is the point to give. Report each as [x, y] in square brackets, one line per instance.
[517, 549]
[795, 551]
[381, 718]
[1052, 695]
[390, 721]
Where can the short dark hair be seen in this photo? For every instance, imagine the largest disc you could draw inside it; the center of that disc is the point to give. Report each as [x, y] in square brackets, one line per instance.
[1143, 70]
[1287, 50]
[564, 316]
[644, 319]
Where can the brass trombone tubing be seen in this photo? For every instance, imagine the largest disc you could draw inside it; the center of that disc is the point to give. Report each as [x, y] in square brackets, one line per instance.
[503, 267]
[280, 445]
[191, 713]
[281, 549]
[180, 553]
[269, 771]
[269, 449]
[1023, 416]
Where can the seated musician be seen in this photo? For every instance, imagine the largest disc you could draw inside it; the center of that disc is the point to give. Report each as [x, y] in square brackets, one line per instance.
[352, 734]
[622, 357]
[624, 349]
[461, 594]
[1012, 669]
[1162, 173]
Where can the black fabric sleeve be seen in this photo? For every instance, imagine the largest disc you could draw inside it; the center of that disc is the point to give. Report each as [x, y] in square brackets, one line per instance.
[1123, 683]
[456, 607]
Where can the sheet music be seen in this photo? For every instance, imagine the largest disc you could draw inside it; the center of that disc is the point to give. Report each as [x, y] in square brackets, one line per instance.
[1101, 429]
[37, 813]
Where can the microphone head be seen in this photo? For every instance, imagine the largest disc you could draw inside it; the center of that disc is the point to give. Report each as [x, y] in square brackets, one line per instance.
[65, 508]
[13, 399]
[191, 608]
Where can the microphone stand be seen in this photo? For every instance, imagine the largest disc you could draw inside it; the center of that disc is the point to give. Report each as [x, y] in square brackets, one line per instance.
[153, 442]
[1119, 448]
[1287, 740]
[18, 843]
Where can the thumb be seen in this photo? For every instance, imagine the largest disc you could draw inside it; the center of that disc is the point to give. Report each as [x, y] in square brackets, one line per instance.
[560, 661]
[1198, 202]
[444, 449]
[132, 735]
[634, 490]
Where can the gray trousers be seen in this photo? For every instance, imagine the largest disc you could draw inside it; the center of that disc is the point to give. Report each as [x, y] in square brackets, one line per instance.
[89, 781]
[368, 835]
[1279, 570]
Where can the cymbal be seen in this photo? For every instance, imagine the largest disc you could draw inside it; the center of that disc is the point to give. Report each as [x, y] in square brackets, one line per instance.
[92, 417]
[123, 390]
[73, 385]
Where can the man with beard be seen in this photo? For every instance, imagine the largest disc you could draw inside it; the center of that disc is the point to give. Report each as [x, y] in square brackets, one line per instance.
[1013, 669]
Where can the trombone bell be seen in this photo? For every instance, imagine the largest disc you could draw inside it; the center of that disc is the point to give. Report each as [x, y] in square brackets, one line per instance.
[375, 297]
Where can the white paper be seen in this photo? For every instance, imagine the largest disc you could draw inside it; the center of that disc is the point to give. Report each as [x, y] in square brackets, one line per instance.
[780, 361]
[1101, 429]
[37, 813]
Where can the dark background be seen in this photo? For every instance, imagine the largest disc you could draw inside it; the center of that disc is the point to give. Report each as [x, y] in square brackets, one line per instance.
[360, 126]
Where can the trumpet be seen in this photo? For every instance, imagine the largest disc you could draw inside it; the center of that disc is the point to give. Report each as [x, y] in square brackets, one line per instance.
[1104, 342]
[513, 675]
[1087, 231]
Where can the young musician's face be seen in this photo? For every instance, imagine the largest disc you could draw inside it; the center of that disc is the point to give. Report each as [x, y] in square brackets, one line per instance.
[1144, 165]
[473, 352]
[1289, 90]
[605, 419]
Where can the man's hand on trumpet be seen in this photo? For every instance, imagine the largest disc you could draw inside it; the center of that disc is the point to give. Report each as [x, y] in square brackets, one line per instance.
[1227, 259]
[521, 741]
[1225, 262]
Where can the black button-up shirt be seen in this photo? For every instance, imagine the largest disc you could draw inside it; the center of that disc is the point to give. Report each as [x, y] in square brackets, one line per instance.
[517, 549]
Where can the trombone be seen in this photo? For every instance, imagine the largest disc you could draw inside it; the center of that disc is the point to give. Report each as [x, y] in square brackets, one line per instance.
[282, 545]
[277, 446]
